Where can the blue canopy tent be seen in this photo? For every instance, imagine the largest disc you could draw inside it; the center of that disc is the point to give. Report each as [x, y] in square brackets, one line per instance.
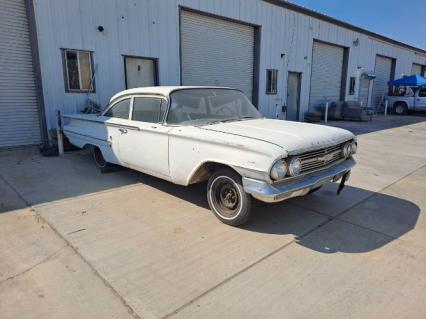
[411, 81]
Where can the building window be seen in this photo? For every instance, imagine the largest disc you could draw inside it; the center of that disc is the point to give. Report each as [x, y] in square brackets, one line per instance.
[78, 71]
[271, 81]
[352, 86]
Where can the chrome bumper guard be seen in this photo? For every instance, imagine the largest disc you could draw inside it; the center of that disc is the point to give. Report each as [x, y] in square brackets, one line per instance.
[271, 193]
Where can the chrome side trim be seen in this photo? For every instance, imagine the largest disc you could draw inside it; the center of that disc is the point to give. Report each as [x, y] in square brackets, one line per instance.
[271, 193]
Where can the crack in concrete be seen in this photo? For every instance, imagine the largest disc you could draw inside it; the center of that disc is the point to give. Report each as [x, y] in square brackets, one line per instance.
[46, 259]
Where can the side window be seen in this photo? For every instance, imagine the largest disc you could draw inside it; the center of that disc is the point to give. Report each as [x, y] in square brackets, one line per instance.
[78, 71]
[119, 110]
[148, 109]
[422, 92]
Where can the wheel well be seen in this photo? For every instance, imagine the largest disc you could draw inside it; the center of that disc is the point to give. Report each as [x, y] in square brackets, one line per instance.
[400, 102]
[204, 172]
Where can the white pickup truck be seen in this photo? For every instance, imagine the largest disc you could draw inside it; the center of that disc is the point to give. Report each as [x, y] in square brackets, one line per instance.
[409, 100]
[188, 135]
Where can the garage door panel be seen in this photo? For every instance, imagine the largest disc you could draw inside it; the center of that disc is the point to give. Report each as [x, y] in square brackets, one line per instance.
[216, 52]
[383, 71]
[327, 70]
[19, 118]
[417, 69]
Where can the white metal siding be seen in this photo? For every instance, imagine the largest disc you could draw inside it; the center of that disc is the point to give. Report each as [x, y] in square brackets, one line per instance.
[383, 72]
[216, 52]
[151, 29]
[417, 69]
[326, 78]
[19, 118]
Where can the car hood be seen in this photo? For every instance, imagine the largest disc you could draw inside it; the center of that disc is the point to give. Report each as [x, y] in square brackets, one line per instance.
[293, 137]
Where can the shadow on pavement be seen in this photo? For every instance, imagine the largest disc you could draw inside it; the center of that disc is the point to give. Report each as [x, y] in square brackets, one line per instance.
[37, 183]
[380, 122]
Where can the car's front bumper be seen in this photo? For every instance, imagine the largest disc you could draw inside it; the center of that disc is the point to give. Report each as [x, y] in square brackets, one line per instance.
[271, 193]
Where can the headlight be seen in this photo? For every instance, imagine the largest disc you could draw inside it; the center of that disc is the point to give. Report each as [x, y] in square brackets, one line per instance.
[347, 150]
[295, 167]
[278, 170]
[354, 147]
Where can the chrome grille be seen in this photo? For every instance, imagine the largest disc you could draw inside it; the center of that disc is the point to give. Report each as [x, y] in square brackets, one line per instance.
[318, 159]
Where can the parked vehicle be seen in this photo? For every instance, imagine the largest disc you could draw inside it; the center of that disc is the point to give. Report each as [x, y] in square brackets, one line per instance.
[405, 99]
[188, 135]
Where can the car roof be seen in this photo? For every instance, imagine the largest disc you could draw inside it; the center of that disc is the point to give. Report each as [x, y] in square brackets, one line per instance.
[160, 90]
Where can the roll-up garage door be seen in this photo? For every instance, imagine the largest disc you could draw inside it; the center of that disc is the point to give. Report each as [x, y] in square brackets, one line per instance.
[417, 69]
[383, 72]
[216, 52]
[327, 70]
[19, 118]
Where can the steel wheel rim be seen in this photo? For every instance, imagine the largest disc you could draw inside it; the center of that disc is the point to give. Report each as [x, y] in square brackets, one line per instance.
[399, 109]
[225, 197]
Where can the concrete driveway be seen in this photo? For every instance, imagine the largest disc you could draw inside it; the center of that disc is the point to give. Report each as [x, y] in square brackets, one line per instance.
[78, 243]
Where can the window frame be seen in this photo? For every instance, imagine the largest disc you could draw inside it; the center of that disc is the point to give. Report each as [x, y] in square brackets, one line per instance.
[65, 70]
[130, 98]
[162, 98]
[271, 84]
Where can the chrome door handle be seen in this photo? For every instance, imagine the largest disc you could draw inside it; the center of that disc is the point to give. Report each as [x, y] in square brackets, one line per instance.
[122, 130]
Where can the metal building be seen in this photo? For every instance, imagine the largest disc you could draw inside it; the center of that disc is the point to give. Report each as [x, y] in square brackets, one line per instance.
[286, 58]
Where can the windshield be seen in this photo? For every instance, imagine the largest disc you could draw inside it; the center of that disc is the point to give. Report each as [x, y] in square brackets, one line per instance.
[207, 106]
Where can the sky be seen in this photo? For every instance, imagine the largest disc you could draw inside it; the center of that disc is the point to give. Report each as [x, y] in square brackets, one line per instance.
[404, 21]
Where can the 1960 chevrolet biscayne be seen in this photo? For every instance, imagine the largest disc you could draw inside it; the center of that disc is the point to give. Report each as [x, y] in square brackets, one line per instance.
[188, 135]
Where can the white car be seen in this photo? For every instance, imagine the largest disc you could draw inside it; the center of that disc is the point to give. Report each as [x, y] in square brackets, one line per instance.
[189, 135]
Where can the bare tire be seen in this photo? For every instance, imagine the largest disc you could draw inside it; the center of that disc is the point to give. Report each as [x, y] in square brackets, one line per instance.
[99, 158]
[227, 199]
[400, 109]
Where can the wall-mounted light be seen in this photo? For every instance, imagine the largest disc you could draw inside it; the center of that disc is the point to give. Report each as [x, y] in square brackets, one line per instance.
[356, 42]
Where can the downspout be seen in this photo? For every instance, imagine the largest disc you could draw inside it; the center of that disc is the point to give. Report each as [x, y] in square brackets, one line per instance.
[32, 27]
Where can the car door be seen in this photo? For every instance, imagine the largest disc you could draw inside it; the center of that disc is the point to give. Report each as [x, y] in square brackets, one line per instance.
[421, 100]
[116, 119]
[145, 145]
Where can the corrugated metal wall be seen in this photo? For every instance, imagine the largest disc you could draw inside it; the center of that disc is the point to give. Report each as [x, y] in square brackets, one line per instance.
[150, 28]
[216, 52]
[19, 118]
[327, 71]
[383, 70]
[417, 69]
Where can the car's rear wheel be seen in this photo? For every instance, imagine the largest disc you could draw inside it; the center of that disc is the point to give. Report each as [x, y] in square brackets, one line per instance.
[99, 158]
[227, 199]
[401, 109]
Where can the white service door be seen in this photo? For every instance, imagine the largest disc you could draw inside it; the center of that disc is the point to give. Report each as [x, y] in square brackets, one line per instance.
[19, 116]
[327, 72]
[216, 52]
[140, 72]
[364, 87]
[383, 71]
[293, 96]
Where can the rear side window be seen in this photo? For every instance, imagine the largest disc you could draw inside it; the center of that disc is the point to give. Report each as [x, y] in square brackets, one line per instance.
[148, 109]
[422, 92]
[119, 110]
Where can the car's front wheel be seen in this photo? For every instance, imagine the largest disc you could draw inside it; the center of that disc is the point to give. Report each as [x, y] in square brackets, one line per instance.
[227, 198]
